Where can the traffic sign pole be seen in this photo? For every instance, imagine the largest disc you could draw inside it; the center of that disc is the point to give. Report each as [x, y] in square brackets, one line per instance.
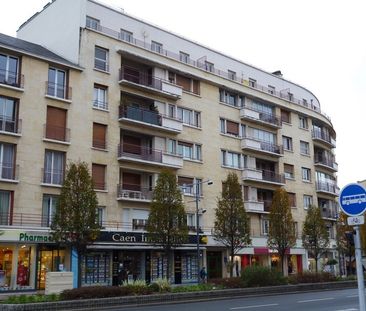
[360, 282]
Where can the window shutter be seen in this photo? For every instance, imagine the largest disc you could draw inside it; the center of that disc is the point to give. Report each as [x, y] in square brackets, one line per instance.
[232, 128]
[131, 144]
[131, 181]
[99, 135]
[56, 123]
[184, 82]
[98, 174]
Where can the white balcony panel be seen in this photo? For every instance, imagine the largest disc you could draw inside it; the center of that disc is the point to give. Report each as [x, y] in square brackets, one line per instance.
[172, 160]
[172, 124]
[254, 206]
[250, 173]
[173, 89]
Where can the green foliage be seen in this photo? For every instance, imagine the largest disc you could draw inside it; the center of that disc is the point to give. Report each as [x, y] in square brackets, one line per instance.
[167, 222]
[24, 299]
[193, 288]
[235, 282]
[255, 276]
[315, 237]
[281, 234]
[75, 222]
[161, 285]
[137, 287]
[232, 225]
[311, 277]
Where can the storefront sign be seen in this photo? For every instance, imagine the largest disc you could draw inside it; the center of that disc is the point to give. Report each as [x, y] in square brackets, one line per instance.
[138, 238]
[31, 237]
[25, 236]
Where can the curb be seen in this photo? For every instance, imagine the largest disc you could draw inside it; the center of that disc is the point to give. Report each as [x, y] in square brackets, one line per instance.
[99, 304]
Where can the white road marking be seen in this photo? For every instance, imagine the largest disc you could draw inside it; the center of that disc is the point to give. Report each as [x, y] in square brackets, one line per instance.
[352, 296]
[255, 306]
[313, 300]
[352, 309]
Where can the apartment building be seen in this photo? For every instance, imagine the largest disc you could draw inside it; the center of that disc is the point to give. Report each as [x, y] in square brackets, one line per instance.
[142, 99]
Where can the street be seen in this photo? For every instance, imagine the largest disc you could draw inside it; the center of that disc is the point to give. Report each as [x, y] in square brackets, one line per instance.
[339, 300]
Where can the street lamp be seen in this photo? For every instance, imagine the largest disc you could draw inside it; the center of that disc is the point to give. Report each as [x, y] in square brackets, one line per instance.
[197, 184]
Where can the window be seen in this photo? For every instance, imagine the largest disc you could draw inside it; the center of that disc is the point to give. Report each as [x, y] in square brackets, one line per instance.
[305, 102]
[9, 70]
[303, 122]
[99, 136]
[100, 215]
[54, 166]
[5, 207]
[100, 97]
[231, 98]
[287, 143]
[56, 124]
[190, 185]
[252, 82]
[290, 96]
[304, 147]
[264, 226]
[289, 171]
[231, 75]
[156, 47]
[209, 66]
[126, 35]
[98, 175]
[231, 159]
[263, 136]
[8, 114]
[171, 111]
[306, 174]
[286, 116]
[262, 107]
[271, 89]
[187, 84]
[48, 209]
[308, 201]
[56, 85]
[189, 117]
[184, 57]
[231, 128]
[292, 199]
[189, 151]
[92, 23]
[7, 161]
[101, 58]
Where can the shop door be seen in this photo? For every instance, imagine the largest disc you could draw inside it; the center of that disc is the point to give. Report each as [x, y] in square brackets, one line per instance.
[48, 260]
[214, 265]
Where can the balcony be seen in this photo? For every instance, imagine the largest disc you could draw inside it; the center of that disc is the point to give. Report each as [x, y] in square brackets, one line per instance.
[9, 172]
[58, 91]
[11, 79]
[327, 187]
[323, 138]
[329, 213]
[57, 134]
[260, 117]
[8, 126]
[24, 220]
[52, 177]
[324, 162]
[263, 176]
[136, 78]
[149, 119]
[134, 193]
[252, 144]
[254, 206]
[140, 154]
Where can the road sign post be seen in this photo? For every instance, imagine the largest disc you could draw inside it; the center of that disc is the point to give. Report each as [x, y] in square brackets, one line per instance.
[352, 200]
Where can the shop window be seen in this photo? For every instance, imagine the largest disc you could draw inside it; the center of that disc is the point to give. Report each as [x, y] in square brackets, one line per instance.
[95, 269]
[6, 261]
[23, 269]
[49, 260]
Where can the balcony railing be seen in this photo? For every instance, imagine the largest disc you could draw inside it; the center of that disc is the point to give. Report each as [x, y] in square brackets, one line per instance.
[11, 78]
[200, 63]
[320, 135]
[100, 104]
[8, 171]
[140, 153]
[271, 147]
[327, 187]
[139, 77]
[273, 177]
[9, 125]
[266, 204]
[139, 224]
[326, 161]
[142, 115]
[262, 116]
[134, 192]
[328, 212]
[54, 132]
[53, 176]
[58, 90]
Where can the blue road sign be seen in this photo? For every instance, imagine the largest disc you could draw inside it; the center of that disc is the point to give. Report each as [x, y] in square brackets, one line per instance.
[352, 199]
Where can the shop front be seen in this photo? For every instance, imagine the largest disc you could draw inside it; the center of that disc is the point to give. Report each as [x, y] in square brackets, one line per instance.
[25, 257]
[118, 257]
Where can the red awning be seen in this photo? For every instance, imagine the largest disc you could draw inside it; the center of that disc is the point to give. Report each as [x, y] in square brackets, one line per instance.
[261, 251]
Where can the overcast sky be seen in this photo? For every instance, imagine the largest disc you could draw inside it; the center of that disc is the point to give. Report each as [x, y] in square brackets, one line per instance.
[318, 44]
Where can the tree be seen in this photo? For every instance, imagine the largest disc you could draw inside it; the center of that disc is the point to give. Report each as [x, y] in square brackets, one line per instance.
[345, 243]
[315, 236]
[167, 222]
[232, 225]
[75, 222]
[281, 235]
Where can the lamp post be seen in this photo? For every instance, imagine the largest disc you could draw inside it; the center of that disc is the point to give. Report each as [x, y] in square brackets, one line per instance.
[197, 184]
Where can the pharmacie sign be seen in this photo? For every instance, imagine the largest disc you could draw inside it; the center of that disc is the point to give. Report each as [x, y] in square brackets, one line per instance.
[138, 238]
[35, 237]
